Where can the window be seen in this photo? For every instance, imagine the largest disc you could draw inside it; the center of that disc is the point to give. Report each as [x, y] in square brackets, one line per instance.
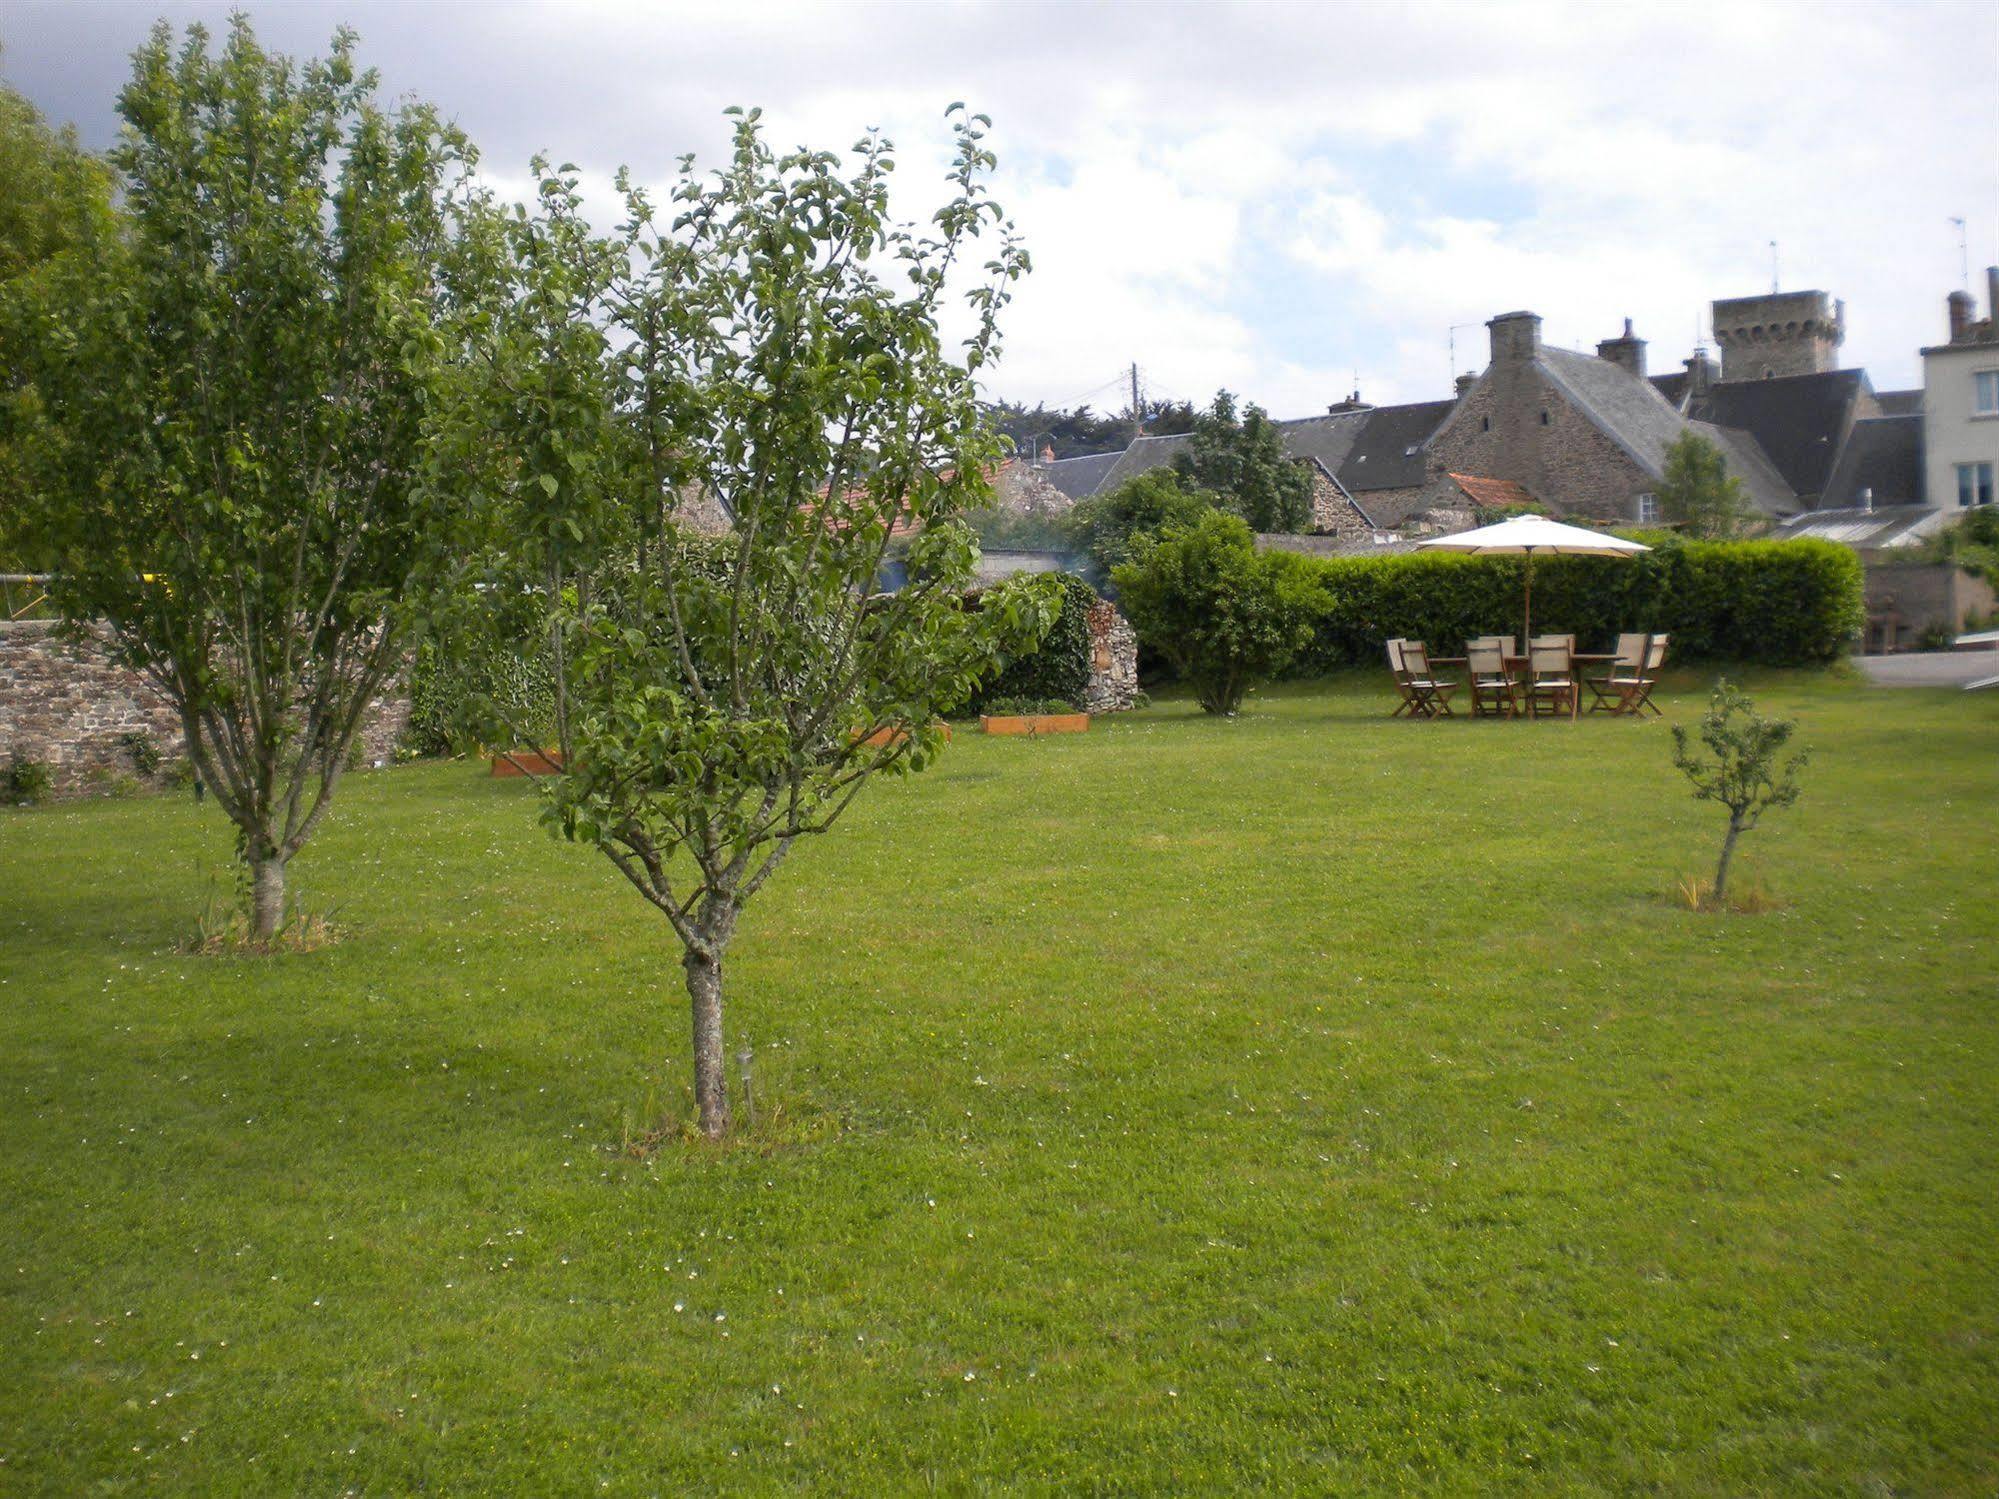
[1974, 484]
[1648, 509]
[1544, 418]
[1985, 385]
[1485, 424]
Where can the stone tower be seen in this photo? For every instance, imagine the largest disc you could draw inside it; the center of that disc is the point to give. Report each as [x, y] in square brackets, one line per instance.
[1783, 333]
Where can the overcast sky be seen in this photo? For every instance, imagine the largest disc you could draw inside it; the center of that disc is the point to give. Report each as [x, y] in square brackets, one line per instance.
[1280, 199]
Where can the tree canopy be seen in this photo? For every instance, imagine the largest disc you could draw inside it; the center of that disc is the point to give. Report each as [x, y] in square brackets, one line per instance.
[1226, 615]
[1077, 432]
[222, 435]
[772, 346]
[1698, 494]
[1109, 527]
[1242, 459]
[57, 199]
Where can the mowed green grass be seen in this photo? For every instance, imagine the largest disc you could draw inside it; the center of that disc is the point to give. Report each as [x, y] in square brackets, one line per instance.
[1309, 1103]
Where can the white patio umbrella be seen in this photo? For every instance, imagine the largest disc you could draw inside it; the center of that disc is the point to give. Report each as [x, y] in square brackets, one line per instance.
[1532, 536]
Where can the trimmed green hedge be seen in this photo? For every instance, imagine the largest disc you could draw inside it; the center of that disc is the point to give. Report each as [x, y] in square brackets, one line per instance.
[1780, 603]
[439, 686]
[1060, 665]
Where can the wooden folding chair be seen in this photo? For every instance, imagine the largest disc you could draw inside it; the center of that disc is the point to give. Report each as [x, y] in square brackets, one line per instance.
[1611, 691]
[1630, 687]
[1507, 644]
[1566, 642]
[1551, 680]
[1433, 693]
[1495, 691]
[1412, 700]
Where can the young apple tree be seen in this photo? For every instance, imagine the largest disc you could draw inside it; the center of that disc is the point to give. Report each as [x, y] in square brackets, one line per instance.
[1745, 774]
[775, 351]
[224, 426]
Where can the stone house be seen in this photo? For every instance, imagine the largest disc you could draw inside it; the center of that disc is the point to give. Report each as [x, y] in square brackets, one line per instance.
[1585, 435]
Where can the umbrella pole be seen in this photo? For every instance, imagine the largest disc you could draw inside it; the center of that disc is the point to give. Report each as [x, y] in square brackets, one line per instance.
[1527, 620]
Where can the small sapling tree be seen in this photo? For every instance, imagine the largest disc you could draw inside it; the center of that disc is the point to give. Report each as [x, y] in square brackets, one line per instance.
[772, 357]
[1226, 615]
[1744, 774]
[1698, 493]
[224, 427]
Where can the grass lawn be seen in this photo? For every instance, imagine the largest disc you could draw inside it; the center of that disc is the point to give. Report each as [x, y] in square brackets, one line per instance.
[1311, 1103]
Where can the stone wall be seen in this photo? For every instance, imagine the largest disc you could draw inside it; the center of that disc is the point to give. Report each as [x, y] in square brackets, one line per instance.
[1113, 680]
[71, 707]
[1498, 433]
[1333, 514]
[74, 709]
[1905, 599]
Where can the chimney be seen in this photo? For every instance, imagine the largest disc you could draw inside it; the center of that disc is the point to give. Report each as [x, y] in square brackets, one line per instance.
[1351, 403]
[1516, 337]
[1702, 372]
[1465, 383]
[1627, 352]
[1960, 307]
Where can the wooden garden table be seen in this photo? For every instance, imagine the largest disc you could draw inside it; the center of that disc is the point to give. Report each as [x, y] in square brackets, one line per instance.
[1576, 660]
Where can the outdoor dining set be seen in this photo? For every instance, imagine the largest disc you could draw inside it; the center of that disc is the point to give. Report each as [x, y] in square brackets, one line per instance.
[1546, 682]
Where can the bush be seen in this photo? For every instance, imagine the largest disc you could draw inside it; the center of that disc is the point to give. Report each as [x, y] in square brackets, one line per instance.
[1058, 668]
[25, 781]
[1107, 527]
[441, 686]
[1226, 615]
[145, 752]
[1779, 603]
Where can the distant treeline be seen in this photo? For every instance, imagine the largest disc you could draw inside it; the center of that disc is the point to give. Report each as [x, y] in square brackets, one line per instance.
[1073, 434]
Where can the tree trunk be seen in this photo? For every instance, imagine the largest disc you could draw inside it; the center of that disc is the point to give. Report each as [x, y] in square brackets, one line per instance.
[1721, 870]
[711, 1079]
[267, 897]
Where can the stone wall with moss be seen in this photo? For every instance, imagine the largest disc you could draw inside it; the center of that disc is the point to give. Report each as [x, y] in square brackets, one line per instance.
[96, 725]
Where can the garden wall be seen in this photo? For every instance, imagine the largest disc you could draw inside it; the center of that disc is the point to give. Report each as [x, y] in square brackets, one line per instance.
[69, 706]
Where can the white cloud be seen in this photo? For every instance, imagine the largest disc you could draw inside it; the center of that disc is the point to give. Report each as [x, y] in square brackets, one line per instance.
[1271, 196]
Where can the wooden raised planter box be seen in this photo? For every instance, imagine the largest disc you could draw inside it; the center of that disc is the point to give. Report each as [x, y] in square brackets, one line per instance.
[1035, 724]
[887, 735]
[527, 763]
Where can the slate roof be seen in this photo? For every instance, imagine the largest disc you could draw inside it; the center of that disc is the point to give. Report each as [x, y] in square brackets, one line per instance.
[1078, 477]
[1329, 439]
[1362, 450]
[1887, 528]
[1144, 455]
[1673, 387]
[1798, 420]
[1387, 453]
[1884, 454]
[1634, 415]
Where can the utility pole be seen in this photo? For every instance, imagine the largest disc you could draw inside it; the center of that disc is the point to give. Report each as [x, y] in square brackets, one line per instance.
[1137, 411]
